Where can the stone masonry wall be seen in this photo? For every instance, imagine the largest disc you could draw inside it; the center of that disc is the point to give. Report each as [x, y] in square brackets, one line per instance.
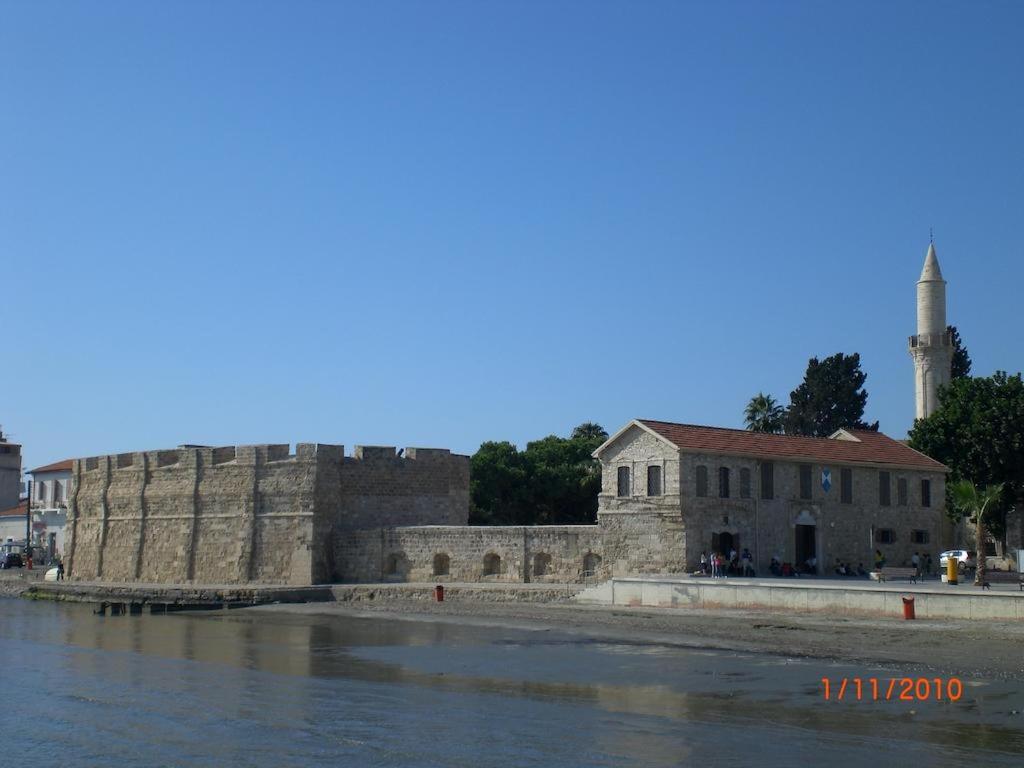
[843, 531]
[668, 533]
[249, 513]
[470, 553]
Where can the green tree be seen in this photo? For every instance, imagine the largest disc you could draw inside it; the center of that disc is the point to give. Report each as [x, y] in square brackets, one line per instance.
[554, 481]
[981, 504]
[978, 432]
[498, 488]
[588, 430]
[764, 414]
[831, 397]
[961, 367]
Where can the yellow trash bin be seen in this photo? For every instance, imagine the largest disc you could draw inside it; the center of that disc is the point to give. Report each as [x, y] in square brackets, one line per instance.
[951, 564]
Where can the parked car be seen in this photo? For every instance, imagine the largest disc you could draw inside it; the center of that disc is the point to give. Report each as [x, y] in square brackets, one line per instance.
[11, 560]
[965, 559]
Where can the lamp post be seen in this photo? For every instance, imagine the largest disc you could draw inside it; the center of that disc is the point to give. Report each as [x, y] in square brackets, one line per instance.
[28, 525]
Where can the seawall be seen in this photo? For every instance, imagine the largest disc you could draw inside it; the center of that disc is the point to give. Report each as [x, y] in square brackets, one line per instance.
[930, 602]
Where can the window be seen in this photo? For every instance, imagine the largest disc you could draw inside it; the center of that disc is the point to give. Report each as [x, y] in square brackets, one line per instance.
[41, 493]
[767, 480]
[702, 481]
[744, 483]
[901, 491]
[394, 566]
[541, 564]
[723, 482]
[623, 481]
[442, 564]
[885, 535]
[926, 493]
[654, 480]
[492, 564]
[805, 481]
[919, 537]
[884, 489]
[846, 486]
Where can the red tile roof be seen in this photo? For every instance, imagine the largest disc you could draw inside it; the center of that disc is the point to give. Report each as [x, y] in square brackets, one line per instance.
[57, 466]
[18, 511]
[872, 448]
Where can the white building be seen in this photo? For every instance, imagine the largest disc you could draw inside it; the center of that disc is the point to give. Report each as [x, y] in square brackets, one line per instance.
[12, 524]
[50, 488]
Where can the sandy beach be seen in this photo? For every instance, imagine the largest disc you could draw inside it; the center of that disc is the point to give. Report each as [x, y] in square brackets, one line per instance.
[987, 649]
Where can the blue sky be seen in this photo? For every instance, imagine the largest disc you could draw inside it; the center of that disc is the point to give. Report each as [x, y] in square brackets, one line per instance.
[441, 223]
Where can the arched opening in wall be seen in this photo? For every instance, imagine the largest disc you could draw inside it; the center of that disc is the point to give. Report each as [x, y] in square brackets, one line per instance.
[396, 566]
[541, 564]
[442, 564]
[591, 564]
[492, 564]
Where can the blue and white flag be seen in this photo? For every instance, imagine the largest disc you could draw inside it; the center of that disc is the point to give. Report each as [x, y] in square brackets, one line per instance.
[826, 478]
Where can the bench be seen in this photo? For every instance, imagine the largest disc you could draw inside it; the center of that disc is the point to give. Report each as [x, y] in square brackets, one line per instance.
[896, 573]
[1003, 577]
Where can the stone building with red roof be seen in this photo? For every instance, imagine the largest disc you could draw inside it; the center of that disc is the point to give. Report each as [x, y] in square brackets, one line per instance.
[673, 491]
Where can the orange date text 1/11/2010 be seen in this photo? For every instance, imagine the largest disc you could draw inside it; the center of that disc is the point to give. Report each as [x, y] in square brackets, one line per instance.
[892, 689]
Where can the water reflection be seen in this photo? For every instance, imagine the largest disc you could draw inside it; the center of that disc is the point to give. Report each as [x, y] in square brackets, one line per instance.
[270, 689]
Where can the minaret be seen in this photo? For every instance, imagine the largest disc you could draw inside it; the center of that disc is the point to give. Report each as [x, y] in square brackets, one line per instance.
[931, 348]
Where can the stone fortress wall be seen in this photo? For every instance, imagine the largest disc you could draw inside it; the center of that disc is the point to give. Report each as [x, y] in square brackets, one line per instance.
[243, 514]
[261, 514]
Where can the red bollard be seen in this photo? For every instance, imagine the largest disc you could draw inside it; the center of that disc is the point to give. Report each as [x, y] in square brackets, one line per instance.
[439, 593]
[908, 608]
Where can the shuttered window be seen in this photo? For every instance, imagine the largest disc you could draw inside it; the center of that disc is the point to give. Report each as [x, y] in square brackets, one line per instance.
[623, 481]
[654, 480]
[767, 480]
[884, 489]
[805, 481]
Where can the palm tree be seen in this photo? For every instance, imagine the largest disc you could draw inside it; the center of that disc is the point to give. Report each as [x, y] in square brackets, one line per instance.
[764, 414]
[977, 501]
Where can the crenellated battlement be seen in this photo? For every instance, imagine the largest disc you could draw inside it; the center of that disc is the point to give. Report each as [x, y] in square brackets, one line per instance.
[263, 453]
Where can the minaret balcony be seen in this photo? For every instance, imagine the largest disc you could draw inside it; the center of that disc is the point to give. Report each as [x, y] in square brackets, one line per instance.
[943, 339]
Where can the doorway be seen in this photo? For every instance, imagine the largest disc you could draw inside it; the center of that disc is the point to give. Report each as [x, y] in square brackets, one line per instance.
[724, 542]
[805, 548]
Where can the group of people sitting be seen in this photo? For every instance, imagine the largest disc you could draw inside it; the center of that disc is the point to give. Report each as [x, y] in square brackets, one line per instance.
[718, 566]
[810, 568]
[846, 569]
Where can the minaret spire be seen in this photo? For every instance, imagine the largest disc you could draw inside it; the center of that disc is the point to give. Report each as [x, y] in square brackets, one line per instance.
[931, 348]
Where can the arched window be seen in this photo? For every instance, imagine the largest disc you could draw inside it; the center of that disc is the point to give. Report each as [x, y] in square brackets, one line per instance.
[41, 492]
[702, 480]
[58, 492]
[492, 564]
[395, 565]
[591, 564]
[654, 480]
[723, 482]
[623, 482]
[442, 564]
[541, 564]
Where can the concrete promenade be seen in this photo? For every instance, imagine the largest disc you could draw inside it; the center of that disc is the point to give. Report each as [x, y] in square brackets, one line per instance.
[932, 599]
